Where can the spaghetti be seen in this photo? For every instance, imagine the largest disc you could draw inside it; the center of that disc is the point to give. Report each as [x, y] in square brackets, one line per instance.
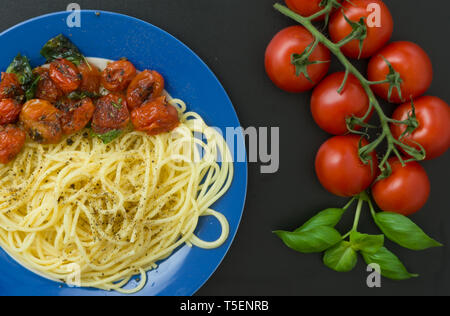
[108, 212]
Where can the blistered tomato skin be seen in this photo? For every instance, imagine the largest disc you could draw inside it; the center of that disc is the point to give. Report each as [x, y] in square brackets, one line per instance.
[90, 78]
[118, 75]
[10, 87]
[75, 114]
[46, 88]
[405, 191]
[145, 86]
[42, 121]
[433, 131]
[330, 109]
[340, 169]
[65, 75]
[278, 60]
[12, 139]
[377, 36]
[9, 111]
[155, 117]
[413, 65]
[111, 113]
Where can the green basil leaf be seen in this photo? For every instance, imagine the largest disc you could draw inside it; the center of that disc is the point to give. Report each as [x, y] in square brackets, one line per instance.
[367, 243]
[329, 217]
[20, 66]
[341, 258]
[108, 137]
[62, 47]
[317, 239]
[404, 232]
[391, 267]
[31, 90]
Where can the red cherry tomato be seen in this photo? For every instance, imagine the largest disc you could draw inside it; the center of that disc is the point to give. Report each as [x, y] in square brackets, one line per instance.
[90, 78]
[9, 111]
[155, 117]
[305, 7]
[278, 60]
[12, 140]
[145, 86]
[42, 121]
[340, 169]
[377, 36]
[117, 75]
[433, 133]
[413, 65]
[331, 109]
[65, 74]
[10, 87]
[46, 88]
[75, 114]
[111, 113]
[405, 191]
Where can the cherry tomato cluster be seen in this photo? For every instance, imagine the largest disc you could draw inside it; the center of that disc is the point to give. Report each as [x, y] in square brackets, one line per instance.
[342, 104]
[66, 96]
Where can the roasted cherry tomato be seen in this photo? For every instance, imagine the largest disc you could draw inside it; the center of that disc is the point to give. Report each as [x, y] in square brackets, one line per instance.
[65, 74]
[10, 87]
[413, 65]
[12, 140]
[433, 132]
[90, 78]
[111, 113]
[340, 169]
[9, 111]
[331, 109]
[379, 27]
[405, 191]
[46, 88]
[117, 75]
[279, 60]
[145, 86]
[75, 114]
[42, 121]
[155, 117]
[306, 7]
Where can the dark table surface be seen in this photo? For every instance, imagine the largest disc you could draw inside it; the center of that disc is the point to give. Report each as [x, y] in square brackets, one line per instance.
[231, 37]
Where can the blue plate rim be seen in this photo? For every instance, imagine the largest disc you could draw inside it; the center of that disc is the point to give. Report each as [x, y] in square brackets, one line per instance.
[231, 238]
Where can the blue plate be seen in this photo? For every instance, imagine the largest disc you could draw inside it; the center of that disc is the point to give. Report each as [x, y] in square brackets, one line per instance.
[112, 36]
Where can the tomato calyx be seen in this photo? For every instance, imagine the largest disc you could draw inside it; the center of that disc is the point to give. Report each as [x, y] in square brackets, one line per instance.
[394, 79]
[329, 6]
[352, 122]
[411, 122]
[301, 61]
[359, 32]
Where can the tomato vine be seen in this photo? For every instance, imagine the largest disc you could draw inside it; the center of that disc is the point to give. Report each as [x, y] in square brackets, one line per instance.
[319, 233]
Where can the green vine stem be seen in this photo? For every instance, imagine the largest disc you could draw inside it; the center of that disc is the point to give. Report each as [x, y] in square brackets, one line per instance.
[385, 134]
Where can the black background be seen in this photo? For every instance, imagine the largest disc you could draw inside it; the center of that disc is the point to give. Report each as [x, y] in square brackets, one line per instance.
[231, 37]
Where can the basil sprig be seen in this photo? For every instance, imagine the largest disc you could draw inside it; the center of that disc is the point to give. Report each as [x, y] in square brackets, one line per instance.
[329, 217]
[316, 235]
[20, 66]
[366, 243]
[317, 239]
[391, 266]
[341, 258]
[61, 47]
[404, 232]
[341, 252]
[109, 136]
